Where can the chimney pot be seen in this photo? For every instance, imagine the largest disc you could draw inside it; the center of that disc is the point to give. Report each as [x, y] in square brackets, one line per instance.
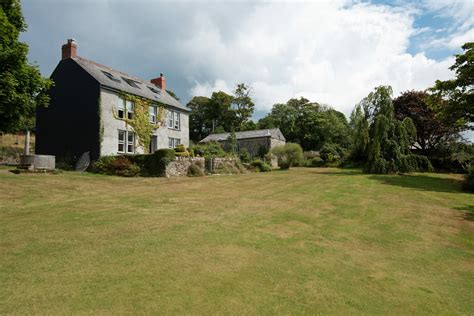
[160, 82]
[69, 50]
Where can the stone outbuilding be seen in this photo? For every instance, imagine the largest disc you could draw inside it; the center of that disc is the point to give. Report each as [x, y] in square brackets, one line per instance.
[255, 142]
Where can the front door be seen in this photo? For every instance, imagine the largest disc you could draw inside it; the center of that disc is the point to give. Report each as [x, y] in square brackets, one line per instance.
[153, 143]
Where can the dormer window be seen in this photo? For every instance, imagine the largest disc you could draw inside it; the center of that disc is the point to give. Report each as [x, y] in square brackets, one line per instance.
[154, 90]
[131, 83]
[110, 76]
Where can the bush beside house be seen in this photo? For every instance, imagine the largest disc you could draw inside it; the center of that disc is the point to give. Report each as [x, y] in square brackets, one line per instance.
[153, 165]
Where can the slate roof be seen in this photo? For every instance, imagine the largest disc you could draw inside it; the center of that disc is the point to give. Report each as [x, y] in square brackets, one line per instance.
[118, 82]
[273, 133]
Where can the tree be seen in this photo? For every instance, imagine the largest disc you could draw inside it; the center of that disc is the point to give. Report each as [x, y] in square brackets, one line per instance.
[308, 123]
[210, 115]
[248, 126]
[221, 112]
[171, 93]
[199, 126]
[390, 140]
[458, 93]
[22, 88]
[242, 105]
[360, 135]
[431, 129]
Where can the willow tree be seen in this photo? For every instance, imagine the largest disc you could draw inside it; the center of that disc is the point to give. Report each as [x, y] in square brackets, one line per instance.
[390, 140]
[360, 134]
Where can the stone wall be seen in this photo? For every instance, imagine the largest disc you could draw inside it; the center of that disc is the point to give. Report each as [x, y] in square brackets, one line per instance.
[214, 164]
[180, 166]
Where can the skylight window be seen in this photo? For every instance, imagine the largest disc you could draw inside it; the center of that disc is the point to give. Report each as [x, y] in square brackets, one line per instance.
[131, 83]
[154, 90]
[110, 76]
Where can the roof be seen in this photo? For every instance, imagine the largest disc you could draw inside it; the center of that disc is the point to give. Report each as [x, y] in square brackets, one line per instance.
[273, 133]
[121, 81]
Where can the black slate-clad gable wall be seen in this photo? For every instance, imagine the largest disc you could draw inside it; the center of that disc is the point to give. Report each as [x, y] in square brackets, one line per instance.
[70, 125]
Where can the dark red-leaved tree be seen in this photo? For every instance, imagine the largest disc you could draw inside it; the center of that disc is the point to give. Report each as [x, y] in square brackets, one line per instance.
[431, 129]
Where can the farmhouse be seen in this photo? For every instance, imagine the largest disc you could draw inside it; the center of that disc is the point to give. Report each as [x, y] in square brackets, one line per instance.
[255, 142]
[93, 107]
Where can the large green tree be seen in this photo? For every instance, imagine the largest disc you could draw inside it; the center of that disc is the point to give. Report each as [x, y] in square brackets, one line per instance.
[221, 112]
[308, 123]
[360, 135]
[21, 84]
[432, 130]
[210, 115]
[390, 140]
[458, 93]
[242, 105]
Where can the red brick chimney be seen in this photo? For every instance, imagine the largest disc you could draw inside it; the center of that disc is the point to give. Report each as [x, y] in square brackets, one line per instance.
[160, 82]
[69, 50]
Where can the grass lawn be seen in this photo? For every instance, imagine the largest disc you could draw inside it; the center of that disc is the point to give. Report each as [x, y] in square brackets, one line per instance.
[302, 241]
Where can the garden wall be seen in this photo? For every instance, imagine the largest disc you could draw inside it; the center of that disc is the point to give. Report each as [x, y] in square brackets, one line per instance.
[180, 166]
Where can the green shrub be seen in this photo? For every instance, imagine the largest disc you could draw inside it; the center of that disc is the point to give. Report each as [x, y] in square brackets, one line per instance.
[260, 166]
[209, 150]
[314, 162]
[468, 184]
[102, 164]
[180, 148]
[288, 155]
[124, 167]
[157, 162]
[182, 154]
[147, 165]
[180, 151]
[244, 155]
[195, 170]
[333, 154]
[116, 165]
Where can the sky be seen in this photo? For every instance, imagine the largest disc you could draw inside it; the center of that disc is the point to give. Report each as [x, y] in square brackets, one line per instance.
[331, 52]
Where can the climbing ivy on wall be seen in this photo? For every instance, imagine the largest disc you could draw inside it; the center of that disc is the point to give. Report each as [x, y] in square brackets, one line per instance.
[140, 122]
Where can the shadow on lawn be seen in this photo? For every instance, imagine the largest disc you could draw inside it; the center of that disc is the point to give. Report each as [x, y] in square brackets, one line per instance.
[420, 182]
[334, 172]
[468, 212]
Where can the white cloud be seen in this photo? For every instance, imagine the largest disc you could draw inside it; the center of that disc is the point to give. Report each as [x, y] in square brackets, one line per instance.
[460, 11]
[330, 53]
[454, 41]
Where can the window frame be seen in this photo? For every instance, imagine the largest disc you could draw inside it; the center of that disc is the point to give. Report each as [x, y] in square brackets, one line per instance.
[126, 142]
[130, 142]
[174, 120]
[121, 109]
[121, 142]
[154, 114]
[173, 142]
